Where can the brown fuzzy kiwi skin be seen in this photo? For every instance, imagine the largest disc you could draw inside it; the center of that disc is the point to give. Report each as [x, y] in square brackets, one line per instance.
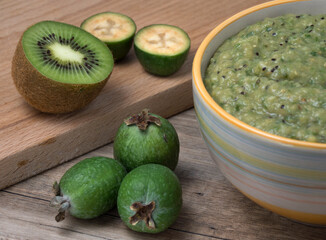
[47, 95]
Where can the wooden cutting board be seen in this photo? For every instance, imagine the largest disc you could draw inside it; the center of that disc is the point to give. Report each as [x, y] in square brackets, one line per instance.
[31, 142]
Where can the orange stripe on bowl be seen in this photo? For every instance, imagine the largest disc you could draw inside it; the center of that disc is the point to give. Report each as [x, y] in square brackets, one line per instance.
[198, 81]
[266, 193]
[318, 219]
[258, 175]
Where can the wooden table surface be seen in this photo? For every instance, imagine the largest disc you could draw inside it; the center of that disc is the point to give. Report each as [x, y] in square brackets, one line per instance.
[212, 207]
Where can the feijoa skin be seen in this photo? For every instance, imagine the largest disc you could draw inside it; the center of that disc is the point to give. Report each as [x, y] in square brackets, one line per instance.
[89, 188]
[146, 138]
[149, 198]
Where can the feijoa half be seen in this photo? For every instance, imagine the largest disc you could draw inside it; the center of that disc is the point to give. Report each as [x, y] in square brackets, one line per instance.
[146, 138]
[60, 68]
[149, 198]
[115, 29]
[161, 49]
[89, 188]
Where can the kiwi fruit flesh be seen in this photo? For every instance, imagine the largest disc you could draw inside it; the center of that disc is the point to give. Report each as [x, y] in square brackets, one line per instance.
[59, 68]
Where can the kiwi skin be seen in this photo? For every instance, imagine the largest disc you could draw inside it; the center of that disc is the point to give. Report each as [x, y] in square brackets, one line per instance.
[47, 95]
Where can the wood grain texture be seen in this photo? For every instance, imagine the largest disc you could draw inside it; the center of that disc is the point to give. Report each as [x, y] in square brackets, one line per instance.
[212, 208]
[31, 141]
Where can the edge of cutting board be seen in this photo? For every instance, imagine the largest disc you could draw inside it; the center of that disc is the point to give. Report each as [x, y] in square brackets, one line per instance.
[88, 136]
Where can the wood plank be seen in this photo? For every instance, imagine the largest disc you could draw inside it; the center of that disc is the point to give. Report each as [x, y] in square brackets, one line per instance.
[31, 141]
[16, 225]
[212, 207]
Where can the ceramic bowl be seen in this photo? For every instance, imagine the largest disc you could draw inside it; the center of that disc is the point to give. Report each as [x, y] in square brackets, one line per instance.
[283, 175]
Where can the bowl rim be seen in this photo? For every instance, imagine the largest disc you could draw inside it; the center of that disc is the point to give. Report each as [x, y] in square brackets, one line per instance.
[198, 81]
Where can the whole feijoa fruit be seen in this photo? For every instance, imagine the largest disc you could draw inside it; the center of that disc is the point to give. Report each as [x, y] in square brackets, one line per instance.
[149, 198]
[146, 138]
[116, 30]
[89, 188]
[59, 68]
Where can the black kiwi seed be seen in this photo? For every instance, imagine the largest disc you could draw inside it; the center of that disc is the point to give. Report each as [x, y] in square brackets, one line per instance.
[88, 66]
[73, 45]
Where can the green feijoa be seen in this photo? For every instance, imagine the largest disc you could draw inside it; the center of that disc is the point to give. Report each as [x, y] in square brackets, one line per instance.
[149, 198]
[116, 30]
[89, 188]
[161, 48]
[146, 138]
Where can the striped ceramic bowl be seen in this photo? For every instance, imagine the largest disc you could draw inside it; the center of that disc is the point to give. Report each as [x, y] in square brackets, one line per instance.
[283, 175]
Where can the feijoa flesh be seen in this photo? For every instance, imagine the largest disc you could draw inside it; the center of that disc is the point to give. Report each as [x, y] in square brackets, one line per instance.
[149, 198]
[89, 188]
[114, 29]
[161, 49]
[146, 138]
[60, 68]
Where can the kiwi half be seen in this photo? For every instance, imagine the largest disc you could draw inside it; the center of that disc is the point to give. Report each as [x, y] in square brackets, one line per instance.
[59, 68]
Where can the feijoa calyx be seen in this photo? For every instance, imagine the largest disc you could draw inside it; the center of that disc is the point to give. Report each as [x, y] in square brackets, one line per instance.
[60, 68]
[89, 188]
[149, 198]
[116, 30]
[146, 138]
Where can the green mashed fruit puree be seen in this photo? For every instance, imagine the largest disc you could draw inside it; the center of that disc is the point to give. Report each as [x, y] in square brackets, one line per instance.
[272, 76]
